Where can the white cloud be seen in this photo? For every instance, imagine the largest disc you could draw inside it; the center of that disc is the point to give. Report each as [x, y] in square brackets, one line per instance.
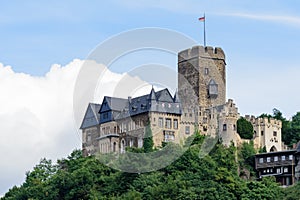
[36, 116]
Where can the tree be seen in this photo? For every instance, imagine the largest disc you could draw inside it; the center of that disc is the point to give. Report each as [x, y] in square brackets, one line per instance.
[148, 139]
[244, 128]
[295, 129]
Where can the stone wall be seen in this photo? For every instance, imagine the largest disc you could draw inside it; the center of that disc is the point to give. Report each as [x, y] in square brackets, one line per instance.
[196, 68]
[267, 133]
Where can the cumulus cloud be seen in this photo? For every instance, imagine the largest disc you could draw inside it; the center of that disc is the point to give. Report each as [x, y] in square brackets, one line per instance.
[36, 116]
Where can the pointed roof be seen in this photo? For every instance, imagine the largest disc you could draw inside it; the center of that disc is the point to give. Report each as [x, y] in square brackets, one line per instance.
[91, 117]
[176, 97]
[164, 96]
[152, 95]
[114, 103]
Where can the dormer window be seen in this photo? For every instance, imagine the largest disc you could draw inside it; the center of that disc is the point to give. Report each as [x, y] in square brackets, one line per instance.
[212, 89]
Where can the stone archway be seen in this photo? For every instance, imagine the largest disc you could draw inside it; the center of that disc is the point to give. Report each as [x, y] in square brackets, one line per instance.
[273, 149]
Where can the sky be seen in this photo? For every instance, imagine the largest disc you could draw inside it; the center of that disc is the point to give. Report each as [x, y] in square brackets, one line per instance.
[43, 46]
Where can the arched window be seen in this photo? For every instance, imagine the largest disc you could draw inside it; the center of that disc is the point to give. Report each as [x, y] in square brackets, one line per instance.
[273, 149]
[115, 147]
[212, 89]
[123, 146]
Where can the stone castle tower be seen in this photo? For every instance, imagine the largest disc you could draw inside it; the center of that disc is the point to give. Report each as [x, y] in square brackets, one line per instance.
[202, 90]
[202, 75]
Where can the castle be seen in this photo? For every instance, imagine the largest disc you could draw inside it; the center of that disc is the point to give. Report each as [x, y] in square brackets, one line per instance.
[200, 104]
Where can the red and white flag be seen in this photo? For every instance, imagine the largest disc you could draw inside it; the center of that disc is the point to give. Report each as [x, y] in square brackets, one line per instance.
[202, 19]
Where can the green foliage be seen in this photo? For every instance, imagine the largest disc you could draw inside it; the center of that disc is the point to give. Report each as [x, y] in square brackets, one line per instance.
[244, 128]
[148, 140]
[262, 150]
[291, 193]
[246, 160]
[213, 176]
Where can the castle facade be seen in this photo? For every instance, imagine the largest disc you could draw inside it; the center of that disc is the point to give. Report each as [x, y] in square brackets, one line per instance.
[200, 104]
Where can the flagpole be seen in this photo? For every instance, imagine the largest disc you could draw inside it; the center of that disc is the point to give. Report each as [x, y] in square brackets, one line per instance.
[204, 31]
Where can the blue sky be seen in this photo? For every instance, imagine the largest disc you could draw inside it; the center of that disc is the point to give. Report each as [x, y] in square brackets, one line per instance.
[37, 34]
[260, 39]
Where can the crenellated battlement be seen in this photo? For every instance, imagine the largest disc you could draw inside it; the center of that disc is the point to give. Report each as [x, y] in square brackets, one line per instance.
[200, 51]
[263, 121]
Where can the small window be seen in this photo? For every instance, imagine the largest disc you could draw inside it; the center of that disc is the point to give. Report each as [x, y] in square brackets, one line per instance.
[290, 157]
[268, 159]
[274, 133]
[262, 133]
[283, 158]
[89, 138]
[175, 123]
[191, 115]
[278, 171]
[169, 136]
[271, 170]
[168, 123]
[285, 170]
[276, 158]
[261, 160]
[234, 127]
[206, 71]
[187, 130]
[224, 127]
[160, 122]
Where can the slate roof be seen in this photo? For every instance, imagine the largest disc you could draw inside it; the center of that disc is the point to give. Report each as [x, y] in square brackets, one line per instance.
[116, 104]
[91, 117]
[160, 101]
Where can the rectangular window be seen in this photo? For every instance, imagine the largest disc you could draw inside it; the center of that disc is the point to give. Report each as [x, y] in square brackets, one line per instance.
[187, 130]
[261, 160]
[271, 170]
[224, 127]
[175, 124]
[160, 122]
[290, 157]
[234, 127]
[262, 133]
[278, 171]
[89, 138]
[168, 123]
[206, 71]
[276, 158]
[274, 133]
[169, 136]
[285, 170]
[283, 158]
[268, 159]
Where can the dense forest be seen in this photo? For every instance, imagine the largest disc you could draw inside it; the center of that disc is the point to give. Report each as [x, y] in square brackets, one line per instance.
[224, 173]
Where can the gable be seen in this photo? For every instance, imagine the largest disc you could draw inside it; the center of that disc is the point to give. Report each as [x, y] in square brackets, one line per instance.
[105, 105]
[91, 117]
[164, 96]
